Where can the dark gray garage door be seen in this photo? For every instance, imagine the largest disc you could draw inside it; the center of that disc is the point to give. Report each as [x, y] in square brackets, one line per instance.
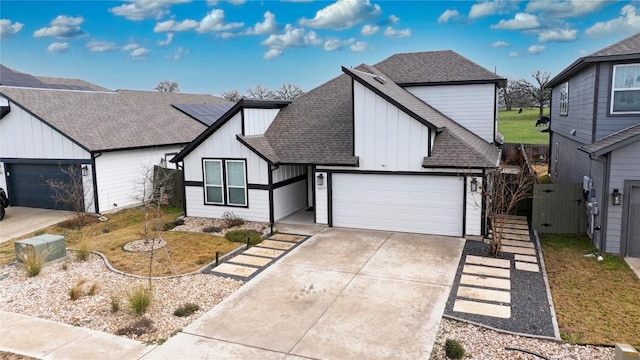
[27, 185]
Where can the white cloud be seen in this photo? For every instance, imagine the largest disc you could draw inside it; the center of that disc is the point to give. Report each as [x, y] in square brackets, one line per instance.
[166, 42]
[139, 53]
[268, 26]
[333, 44]
[58, 47]
[101, 46]
[237, 2]
[172, 25]
[393, 20]
[145, 9]
[566, 8]
[130, 46]
[448, 15]
[178, 54]
[7, 29]
[369, 30]
[535, 49]
[500, 44]
[272, 53]
[291, 37]
[359, 46]
[521, 21]
[212, 2]
[558, 35]
[343, 14]
[214, 21]
[487, 8]
[62, 27]
[627, 22]
[514, 54]
[391, 32]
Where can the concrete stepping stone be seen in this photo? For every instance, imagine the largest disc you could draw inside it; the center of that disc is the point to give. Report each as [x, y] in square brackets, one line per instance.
[484, 294]
[518, 250]
[484, 281]
[526, 258]
[507, 230]
[517, 226]
[527, 267]
[281, 245]
[478, 308]
[257, 251]
[287, 237]
[516, 237]
[486, 270]
[235, 270]
[250, 260]
[519, 243]
[479, 260]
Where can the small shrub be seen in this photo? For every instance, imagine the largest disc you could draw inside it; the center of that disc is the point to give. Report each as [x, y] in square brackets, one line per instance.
[231, 219]
[39, 232]
[139, 299]
[211, 229]
[453, 349]
[65, 266]
[82, 253]
[115, 303]
[242, 235]
[138, 328]
[80, 288]
[105, 230]
[93, 289]
[186, 310]
[169, 226]
[32, 261]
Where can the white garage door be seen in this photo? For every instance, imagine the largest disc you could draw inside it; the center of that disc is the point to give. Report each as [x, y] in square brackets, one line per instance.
[407, 203]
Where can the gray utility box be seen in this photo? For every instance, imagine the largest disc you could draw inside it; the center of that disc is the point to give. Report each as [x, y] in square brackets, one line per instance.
[49, 246]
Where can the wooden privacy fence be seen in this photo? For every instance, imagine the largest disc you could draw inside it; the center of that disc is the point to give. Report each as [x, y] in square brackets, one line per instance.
[558, 209]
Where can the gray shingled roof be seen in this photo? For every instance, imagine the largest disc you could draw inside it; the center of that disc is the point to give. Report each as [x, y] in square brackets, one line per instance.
[454, 145]
[70, 82]
[114, 120]
[10, 77]
[613, 141]
[445, 66]
[625, 49]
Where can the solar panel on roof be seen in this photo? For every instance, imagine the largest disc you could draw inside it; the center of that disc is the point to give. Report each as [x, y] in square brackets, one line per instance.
[205, 113]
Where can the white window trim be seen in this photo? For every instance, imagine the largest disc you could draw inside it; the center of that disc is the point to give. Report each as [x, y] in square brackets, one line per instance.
[221, 186]
[224, 181]
[564, 99]
[228, 187]
[613, 89]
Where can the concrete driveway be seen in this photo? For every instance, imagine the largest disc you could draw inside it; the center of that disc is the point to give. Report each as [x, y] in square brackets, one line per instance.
[19, 221]
[343, 294]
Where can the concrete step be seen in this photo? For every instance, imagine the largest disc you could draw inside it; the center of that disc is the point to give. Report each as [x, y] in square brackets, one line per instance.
[280, 245]
[484, 294]
[478, 308]
[518, 250]
[525, 266]
[250, 260]
[484, 281]
[527, 244]
[480, 260]
[486, 271]
[526, 258]
[287, 237]
[235, 270]
[271, 253]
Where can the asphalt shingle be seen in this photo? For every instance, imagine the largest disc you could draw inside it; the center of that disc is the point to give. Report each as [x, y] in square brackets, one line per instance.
[613, 141]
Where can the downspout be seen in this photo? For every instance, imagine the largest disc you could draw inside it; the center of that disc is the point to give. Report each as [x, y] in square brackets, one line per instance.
[605, 205]
[96, 204]
[180, 166]
[271, 215]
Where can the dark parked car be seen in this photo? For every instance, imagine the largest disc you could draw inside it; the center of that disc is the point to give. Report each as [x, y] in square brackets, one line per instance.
[4, 202]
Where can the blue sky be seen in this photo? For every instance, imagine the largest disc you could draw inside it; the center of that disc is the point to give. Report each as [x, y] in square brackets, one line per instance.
[212, 46]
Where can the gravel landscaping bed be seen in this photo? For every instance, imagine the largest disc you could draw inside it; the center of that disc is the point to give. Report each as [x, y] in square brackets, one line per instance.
[530, 309]
[47, 296]
[483, 344]
[199, 224]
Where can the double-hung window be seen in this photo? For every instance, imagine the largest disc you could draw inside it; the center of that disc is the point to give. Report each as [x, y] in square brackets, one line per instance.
[564, 99]
[225, 182]
[625, 90]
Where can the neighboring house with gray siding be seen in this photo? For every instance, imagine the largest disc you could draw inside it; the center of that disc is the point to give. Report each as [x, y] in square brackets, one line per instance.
[110, 137]
[595, 140]
[385, 147]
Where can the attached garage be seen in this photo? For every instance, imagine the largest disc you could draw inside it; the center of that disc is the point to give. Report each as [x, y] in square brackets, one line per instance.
[27, 184]
[409, 203]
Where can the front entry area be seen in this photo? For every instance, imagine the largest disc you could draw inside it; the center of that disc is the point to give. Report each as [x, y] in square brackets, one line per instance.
[408, 203]
[633, 221]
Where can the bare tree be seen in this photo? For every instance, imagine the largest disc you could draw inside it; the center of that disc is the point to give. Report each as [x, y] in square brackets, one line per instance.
[167, 86]
[231, 95]
[71, 192]
[512, 95]
[538, 91]
[288, 91]
[505, 188]
[260, 92]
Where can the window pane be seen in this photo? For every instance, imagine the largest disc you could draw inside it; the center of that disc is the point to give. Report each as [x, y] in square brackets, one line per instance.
[214, 194]
[619, 81]
[235, 173]
[626, 101]
[213, 172]
[237, 196]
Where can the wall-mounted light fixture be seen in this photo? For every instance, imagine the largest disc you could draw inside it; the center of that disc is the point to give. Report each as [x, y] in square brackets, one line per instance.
[616, 197]
[320, 179]
[474, 185]
[85, 170]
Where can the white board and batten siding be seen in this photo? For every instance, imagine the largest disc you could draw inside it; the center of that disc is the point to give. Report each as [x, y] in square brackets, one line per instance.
[26, 137]
[625, 165]
[478, 112]
[120, 175]
[386, 138]
[257, 121]
[322, 198]
[290, 198]
[224, 144]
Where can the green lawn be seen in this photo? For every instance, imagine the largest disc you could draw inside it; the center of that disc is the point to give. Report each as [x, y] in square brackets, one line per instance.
[521, 128]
